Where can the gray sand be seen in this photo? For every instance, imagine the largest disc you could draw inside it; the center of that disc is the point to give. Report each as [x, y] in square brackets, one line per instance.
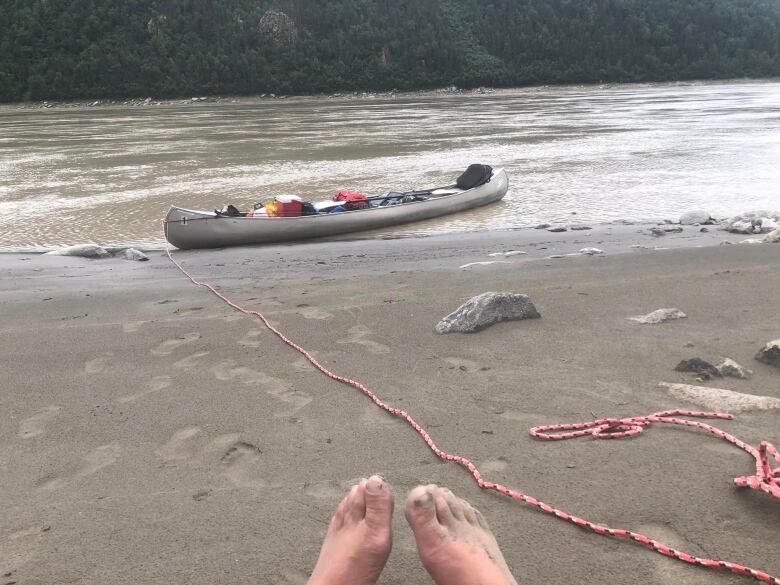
[149, 434]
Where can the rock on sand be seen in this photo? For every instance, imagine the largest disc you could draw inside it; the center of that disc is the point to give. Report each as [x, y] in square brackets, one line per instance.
[719, 399]
[658, 316]
[133, 254]
[487, 309]
[753, 222]
[770, 353]
[695, 217]
[82, 250]
[728, 367]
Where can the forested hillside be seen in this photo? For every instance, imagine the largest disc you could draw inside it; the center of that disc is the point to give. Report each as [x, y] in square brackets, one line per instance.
[67, 49]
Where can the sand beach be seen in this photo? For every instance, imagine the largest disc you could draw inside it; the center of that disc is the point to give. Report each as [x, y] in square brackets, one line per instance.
[151, 434]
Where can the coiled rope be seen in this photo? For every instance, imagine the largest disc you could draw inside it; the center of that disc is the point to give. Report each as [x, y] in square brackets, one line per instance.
[766, 478]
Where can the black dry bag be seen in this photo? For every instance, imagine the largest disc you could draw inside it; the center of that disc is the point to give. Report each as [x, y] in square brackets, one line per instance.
[474, 176]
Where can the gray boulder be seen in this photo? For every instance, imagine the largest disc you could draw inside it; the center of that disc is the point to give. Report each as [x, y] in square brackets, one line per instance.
[694, 217]
[770, 353]
[487, 309]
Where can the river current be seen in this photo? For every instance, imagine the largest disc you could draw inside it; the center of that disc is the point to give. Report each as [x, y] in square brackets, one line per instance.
[575, 154]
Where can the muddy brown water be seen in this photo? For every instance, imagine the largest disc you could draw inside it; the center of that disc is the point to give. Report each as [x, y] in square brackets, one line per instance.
[107, 174]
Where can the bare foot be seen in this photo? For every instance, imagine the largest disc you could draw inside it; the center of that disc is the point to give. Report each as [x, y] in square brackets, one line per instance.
[359, 537]
[454, 540]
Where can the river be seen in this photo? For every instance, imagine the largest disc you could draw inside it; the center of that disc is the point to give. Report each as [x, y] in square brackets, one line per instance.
[575, 154]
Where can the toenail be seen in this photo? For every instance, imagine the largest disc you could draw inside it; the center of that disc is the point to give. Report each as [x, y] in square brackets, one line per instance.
[375, 484]
[423, 501]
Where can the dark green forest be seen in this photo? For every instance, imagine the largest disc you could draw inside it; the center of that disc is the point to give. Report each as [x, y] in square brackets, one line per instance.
[70, 49]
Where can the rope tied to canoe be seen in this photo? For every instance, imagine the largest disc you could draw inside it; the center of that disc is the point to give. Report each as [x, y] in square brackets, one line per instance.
[619, 428]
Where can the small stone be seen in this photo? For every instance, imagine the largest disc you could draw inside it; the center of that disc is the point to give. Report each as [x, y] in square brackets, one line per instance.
[591, 251]
[133, 254]
[770, 353]
[698, 366]
[718, 399]
[729, 367]
[542, 226]
[704, 230]
[557, 229]
[667, 229]
[578, 228]
[658, 316]
[752, 241]
[486, 309]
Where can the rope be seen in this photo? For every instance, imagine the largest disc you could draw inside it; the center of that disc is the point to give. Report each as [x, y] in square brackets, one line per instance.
[765, 479]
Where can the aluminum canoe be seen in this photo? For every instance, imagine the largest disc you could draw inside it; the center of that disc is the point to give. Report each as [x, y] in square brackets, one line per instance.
[185, 228]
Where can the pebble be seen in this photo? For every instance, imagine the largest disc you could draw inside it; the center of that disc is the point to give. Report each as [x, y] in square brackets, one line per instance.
[556, 229]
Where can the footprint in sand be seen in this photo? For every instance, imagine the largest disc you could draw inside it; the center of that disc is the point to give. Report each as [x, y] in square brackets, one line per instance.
[239, 461]
[358, 334]
[132, 326]
[36, 424]
[191, 361]
[229, 371]
[182, 446]
[93, 462]
[18, 549]
[251, 339]
[327, 490]
[168, 346]
[315, 313]
[154, 385]
[242, 464]
[98, 364]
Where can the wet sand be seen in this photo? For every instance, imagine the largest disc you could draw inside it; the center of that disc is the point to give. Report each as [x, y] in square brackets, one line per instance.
[150, 434]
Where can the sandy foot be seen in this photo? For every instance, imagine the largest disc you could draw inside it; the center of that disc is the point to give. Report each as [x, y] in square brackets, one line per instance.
[359, 537]
[454, 541]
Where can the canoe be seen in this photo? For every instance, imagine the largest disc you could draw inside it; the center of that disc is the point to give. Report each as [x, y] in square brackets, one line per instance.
[185, 228]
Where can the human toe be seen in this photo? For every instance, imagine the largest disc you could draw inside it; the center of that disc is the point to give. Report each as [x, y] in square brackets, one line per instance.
[378, 501]
[420, 506]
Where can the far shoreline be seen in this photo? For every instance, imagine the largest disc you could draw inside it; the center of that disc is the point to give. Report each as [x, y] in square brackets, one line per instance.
[140, 101]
